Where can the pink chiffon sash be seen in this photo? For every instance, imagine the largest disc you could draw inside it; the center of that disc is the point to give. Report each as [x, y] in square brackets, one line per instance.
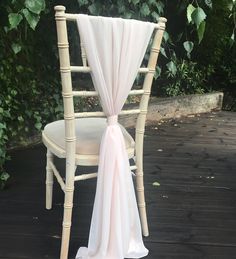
[115, 48]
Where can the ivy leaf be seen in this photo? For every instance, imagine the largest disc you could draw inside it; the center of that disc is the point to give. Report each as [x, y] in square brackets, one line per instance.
[145, 11]
[95, 8]
[208, 3]
[135, 1]
[232, 36]
[230, 5]
[2, 126]
[128, 15]
[155, 15]
[121, 9]
[198, 16]
[163, 52]
[20, 118]
[166, 36]
[157, 72]
[179, 36]
[31, 18]
[35, 6]
[172, 67]
[201, 31]
[16, 47]
[6, 29]
[92, 9]
[173, 54]
[232, 39]
[38, 125]
[150, 2]
[188, 46]
[190, 10]
[4, 176]
[14, 20]
[160, 6]
[82, 2]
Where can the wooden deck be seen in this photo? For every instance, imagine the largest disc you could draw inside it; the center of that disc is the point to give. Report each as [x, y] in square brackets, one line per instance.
[192, 214]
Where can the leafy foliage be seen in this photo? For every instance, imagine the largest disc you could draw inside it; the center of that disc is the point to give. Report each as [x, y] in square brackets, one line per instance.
[197, 50]
[30, 10]
[188, 46]
[187, 79]
[27, 78]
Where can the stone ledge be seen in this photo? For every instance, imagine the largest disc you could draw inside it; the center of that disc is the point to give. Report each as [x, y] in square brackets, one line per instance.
[176, 107]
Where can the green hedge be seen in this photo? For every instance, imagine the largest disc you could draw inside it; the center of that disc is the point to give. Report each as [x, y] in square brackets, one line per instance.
[30, 91]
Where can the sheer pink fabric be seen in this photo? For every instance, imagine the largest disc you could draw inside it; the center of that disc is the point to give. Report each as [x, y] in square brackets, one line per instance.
[115, 48]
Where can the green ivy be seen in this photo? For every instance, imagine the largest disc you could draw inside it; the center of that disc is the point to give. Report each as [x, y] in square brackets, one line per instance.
[29, 80]
[30, 10]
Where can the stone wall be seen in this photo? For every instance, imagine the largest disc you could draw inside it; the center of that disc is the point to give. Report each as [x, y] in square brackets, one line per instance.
[175, 107]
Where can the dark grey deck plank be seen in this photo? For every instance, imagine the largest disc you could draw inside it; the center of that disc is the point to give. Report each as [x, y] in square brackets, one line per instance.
[192, 214]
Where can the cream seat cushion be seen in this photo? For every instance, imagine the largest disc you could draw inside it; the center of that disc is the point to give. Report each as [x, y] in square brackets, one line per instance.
[88, 135]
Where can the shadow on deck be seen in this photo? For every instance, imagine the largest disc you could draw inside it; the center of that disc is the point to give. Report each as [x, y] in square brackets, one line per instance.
[192, 214]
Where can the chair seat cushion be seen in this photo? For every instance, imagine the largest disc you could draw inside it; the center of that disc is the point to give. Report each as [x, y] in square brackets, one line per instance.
[88, 135]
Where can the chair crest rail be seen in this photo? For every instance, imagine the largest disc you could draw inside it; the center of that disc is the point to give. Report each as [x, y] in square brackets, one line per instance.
[74, 17]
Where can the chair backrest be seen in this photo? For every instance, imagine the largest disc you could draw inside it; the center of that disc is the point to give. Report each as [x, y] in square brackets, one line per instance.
[67, 91]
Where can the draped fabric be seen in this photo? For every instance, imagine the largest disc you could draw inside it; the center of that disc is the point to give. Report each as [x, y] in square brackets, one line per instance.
[115, 48]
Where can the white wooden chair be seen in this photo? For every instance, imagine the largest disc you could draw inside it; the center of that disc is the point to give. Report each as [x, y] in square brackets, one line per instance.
[77, 140]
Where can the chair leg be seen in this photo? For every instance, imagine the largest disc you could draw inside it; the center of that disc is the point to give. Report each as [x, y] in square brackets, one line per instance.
[141, 201]
[49, 180]
[66, 225]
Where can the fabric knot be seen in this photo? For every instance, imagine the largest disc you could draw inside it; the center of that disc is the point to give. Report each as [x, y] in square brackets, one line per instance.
[111, 120]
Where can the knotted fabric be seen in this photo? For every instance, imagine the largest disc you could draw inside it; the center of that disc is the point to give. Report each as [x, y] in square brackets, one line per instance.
[115, 48]
[111, 120]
